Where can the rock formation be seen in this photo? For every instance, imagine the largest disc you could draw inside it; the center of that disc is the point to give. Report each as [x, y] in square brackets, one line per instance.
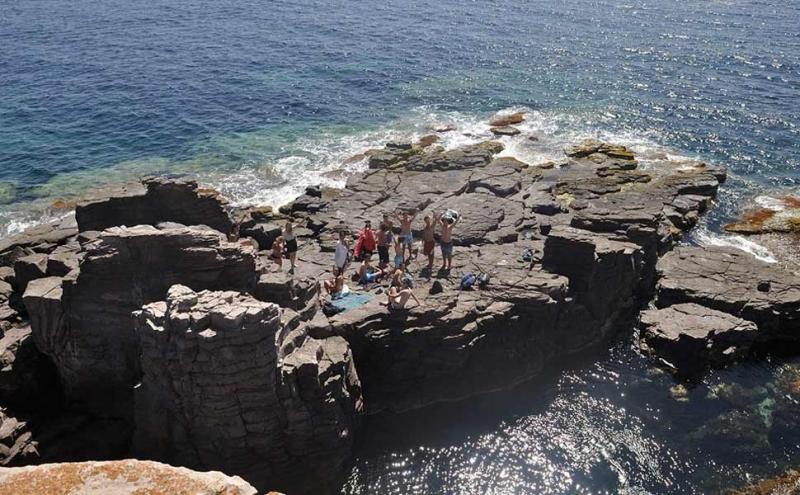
[229, 364]
[227, 385]
[118, 478]
[82, 322]
[155, 201]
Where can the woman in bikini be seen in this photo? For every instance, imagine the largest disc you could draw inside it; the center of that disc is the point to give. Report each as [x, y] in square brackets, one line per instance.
[399, 297]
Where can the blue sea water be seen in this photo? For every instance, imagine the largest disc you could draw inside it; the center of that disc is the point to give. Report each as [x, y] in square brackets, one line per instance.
[261, 98]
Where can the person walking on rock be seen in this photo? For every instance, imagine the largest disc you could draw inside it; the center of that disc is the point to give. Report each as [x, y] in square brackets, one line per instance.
[406, 235]
[448, 223]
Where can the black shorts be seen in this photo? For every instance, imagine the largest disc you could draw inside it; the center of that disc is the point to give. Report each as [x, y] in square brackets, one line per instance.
[383, 254]
[291, 246]
[366, 254]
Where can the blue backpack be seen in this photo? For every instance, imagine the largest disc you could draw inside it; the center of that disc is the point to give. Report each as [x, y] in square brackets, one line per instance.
[468, 280]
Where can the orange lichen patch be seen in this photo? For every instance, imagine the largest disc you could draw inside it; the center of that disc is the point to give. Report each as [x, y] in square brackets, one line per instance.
[790, 201]
[752, 221]
[794, 387]
[787, 483]
[129, 477]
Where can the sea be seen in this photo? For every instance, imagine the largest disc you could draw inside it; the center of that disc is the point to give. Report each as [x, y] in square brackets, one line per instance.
[261, 99]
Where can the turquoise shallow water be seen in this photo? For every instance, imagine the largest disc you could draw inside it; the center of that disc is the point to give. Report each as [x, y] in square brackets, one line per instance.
[261, 99]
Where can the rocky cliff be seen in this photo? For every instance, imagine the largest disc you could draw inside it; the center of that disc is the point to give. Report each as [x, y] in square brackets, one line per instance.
[228, 384]
[173, 337]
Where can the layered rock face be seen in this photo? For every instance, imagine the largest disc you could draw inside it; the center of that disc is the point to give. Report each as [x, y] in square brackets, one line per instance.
[227, 385]
[718, 303]
[82, 322]
[155, 201]
[596, 223]
[118, 478]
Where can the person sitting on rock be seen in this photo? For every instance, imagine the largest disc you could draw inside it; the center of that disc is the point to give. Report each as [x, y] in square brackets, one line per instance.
[429, 238]
[341, 256]
[406, 235]
[332, 287]
[399, 297]
[278, 246]
[384, 241]
[447, 240]
[397, 278]
[368, 274]
[291, 244]
[365, 245]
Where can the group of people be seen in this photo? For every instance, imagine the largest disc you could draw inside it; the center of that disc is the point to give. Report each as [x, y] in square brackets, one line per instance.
[381, 240]
[370, 240]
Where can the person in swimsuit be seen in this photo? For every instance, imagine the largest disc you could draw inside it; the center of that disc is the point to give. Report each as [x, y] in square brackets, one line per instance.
[278, 246]
[406, 234]
[291, 244]
[399, 260]
[399, 297]
[447, 241]
[384, 240]
[331, 287]
[429, 238]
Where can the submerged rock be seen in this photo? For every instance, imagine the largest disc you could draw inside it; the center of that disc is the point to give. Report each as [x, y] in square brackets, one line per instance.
[226, 385]
[118, 478]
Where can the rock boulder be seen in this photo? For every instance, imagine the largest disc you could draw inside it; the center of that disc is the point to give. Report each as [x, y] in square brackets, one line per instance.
[227, 385]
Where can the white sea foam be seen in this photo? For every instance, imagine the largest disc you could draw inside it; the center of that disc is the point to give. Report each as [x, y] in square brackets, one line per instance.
[707, 238]
[271, 171]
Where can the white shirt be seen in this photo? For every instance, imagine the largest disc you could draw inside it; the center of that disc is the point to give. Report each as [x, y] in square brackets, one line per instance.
[340, 257]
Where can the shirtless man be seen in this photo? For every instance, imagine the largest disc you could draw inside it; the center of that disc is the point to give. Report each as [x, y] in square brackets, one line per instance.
[332, 287]
[399, 297]
[447, 241]
[428, 238]
[406, 235]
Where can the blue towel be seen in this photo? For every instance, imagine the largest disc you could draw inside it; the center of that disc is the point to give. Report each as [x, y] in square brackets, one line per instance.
[352, 300]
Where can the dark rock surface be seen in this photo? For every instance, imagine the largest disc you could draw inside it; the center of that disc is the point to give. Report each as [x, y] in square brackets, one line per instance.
[690, 337]
[733, 282]
[17, 446]
[240, 370]
[82, 322]
[227, 386]
[156, 200]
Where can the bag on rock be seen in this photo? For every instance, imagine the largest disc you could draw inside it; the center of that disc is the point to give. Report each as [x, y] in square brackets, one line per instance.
[468, 280]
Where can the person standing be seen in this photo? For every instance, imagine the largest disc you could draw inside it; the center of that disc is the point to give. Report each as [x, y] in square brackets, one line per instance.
[365, 245]
[341, 255]
[291, 244]
[448, 223]
[406, 235]
[429, 238]
[384, 240]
